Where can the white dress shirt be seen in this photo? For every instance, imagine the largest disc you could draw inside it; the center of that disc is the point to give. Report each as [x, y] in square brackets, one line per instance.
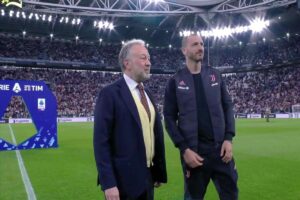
[132, 84]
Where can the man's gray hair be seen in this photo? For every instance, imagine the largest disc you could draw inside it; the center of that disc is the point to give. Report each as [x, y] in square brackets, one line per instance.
[125, 50]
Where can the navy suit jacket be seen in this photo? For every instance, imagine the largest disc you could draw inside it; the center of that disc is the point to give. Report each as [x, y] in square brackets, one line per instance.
[180, 108]
[119, 145]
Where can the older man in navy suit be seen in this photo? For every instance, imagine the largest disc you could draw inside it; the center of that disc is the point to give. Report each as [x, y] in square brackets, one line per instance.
[128, 134]
[199, 118]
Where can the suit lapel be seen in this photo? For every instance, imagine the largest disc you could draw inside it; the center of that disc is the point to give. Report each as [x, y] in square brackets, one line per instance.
[128, 99]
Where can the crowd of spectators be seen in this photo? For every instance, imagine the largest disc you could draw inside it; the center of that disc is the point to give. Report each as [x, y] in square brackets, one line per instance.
[102, 54]
[76, 91]
[271, 52]
[277, 89]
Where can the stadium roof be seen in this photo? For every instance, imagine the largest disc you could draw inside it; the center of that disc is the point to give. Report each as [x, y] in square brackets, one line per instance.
[158, 22]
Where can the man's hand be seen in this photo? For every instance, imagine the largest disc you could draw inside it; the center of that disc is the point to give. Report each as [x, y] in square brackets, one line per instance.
[226, 151]
[192, 159]
[112, 194]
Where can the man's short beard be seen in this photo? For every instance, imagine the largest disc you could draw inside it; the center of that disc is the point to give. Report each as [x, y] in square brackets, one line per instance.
[199, 60]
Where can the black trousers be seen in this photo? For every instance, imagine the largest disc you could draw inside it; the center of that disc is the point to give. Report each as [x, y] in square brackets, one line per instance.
[148, 194]
[223, 175]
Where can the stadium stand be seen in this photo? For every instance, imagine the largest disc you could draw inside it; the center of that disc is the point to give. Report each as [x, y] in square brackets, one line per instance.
[75, 91]
[268, 52]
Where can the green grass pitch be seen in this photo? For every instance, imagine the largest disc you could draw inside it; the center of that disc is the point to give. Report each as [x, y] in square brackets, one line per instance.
[266, 154]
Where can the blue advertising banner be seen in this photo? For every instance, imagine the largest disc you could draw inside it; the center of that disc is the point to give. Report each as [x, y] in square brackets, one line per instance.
[42, 106]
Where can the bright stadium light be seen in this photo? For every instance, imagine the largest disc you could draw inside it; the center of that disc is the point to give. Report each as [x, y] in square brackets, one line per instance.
[204, 33]
[24, 33]
[156, 1]
[217, 32]
[222, 32]
[257, 25]
[2, 12]
[30, 15]
[240, 29]
[24, 15]
[67, 20]
[106, 24]
[73, 21]
[11, 13]
[227, 31]
[186, 33]
[100, 24]
[36, 17]
[111, 26]
[50, 18]
[170, 46]
[287, 35]
[100, 40]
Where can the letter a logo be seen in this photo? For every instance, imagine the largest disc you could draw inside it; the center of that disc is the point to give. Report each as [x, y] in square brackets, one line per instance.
[17, 88]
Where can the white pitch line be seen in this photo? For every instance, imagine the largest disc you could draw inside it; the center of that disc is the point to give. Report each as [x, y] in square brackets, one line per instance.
[25, 177]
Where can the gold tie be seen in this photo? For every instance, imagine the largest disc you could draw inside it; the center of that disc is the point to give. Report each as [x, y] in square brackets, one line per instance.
[144, 99]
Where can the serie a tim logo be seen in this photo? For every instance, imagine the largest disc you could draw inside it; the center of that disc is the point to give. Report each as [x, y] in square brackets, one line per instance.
[17, 3]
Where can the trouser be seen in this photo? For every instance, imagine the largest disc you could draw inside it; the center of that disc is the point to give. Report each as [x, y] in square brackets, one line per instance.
[223, 175]
[148, 194]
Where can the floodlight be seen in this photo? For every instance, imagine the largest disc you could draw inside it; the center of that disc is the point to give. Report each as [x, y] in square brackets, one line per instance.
[11, 13]
[111, 26]
[100, 24]
[106, 24]
[257, 25]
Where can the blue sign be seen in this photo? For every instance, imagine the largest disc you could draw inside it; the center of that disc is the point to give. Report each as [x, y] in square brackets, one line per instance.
[42, 106]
